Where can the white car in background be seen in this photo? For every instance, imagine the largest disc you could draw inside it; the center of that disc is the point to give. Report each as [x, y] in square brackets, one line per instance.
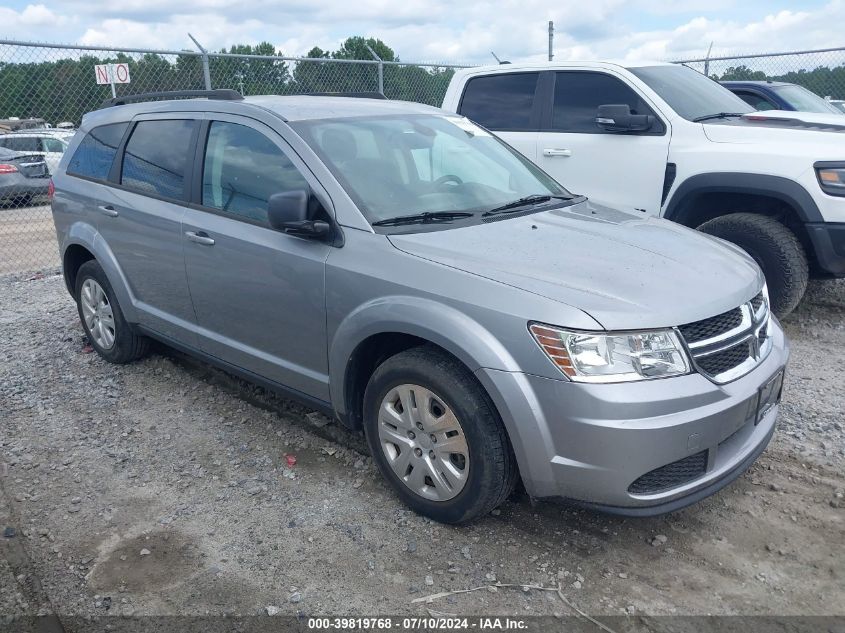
[838, 103]
[50, 143]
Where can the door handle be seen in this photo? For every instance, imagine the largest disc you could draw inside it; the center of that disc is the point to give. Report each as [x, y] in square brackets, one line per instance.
[200, 237]
[108, 210]
[557, 152]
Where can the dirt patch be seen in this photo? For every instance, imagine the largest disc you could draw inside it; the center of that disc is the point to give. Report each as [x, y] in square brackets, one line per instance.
[147, 563]
[103, 462]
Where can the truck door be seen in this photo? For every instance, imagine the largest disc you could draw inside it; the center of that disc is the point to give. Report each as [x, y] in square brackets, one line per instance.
[621, 170]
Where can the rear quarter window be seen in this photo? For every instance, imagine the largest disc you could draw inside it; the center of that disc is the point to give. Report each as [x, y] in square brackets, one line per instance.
[503, 102]
[95, 154]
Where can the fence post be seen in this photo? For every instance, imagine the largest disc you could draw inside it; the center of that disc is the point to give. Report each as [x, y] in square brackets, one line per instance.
[206, 71]
[380, 68]
[551, 40]
[707, 61]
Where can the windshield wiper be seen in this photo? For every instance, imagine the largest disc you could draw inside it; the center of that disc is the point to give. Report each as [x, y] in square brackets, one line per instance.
[717, 115]
[424, 218]
[511, 207]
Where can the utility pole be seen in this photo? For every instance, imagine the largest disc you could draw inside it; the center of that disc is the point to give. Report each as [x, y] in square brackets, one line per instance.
[551, 40]
[380, 68]
[707, 61]
[206, 72]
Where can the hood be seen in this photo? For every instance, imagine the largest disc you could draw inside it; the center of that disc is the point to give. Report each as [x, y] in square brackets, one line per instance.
[821, 133]
[625, 271]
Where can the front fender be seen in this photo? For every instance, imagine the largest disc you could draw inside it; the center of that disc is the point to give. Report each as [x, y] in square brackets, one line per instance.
[85, 235]
[456, 332]
[785, 189]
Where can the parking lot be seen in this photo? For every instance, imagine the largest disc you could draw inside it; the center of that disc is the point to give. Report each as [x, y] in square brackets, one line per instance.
[27, 238]
[166, 487]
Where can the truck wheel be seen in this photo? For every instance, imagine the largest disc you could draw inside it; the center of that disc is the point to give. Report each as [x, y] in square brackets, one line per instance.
[437, 437]
[775, 249]
[102, 319]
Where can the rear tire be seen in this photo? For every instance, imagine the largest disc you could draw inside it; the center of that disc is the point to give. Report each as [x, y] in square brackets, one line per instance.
[102, 319]
[776, 250]
[450, 487]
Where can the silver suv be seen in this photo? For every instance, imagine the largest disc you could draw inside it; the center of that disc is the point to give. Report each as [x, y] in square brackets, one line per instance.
[403, 270]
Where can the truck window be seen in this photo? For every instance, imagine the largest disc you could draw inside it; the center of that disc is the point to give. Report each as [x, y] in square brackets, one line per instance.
[501, 102]
[579, 94]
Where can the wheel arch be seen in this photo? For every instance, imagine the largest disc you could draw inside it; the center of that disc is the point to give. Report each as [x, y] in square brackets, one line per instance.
[381, 329]
[706, 196]
[82, 244]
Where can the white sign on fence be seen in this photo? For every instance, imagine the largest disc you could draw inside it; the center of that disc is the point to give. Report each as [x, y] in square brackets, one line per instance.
[111, 74]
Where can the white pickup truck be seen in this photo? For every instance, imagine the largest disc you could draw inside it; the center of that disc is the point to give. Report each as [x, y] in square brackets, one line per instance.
[663, 139]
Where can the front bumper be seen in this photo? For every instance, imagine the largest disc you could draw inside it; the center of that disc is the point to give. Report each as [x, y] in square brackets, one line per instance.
[591, 442]
[828, 240]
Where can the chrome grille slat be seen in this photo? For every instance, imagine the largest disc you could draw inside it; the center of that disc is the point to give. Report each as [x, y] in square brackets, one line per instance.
[731, 344]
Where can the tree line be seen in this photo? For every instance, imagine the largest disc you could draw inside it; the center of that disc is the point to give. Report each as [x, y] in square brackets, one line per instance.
[64, 89]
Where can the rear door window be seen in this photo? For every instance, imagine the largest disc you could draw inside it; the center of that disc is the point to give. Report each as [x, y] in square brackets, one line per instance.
[156, 157]
[503, 102]
[579, 94]
[94, 156]
[22, 144]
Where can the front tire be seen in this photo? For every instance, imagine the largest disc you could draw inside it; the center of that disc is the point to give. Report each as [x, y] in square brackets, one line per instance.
[102, 319]
[437, 437]
[776, 250]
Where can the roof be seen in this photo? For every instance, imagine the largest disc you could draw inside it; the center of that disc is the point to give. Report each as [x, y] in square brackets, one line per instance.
[770, 84]
[302, 107]
[560, 65]
[43, 132]
[289, 108]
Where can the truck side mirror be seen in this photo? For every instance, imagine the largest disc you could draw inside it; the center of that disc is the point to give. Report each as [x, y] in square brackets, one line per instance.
[618, 118]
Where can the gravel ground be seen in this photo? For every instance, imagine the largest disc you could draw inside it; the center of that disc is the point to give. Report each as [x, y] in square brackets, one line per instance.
[167, 487]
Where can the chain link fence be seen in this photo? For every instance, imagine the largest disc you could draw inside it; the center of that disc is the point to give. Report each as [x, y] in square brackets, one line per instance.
[821, 71]
[48, 85]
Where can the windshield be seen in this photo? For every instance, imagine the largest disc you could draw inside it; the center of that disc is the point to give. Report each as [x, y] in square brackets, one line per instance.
[400, 165]
[689, 93]
[805, 101]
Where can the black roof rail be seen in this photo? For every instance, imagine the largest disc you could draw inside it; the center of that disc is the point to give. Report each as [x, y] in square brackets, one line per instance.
[354, 95]
[222, 94]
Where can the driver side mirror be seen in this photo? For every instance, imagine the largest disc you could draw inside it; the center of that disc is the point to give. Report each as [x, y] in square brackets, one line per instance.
[288, 212]
[618, 118]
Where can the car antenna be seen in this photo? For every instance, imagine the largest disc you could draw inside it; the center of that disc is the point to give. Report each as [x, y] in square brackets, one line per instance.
[496, 57]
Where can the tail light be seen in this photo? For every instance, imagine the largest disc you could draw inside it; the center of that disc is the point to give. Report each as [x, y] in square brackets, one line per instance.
[5, 168]
[51, 190]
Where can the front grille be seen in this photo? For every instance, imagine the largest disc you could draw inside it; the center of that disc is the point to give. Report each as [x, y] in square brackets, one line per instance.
[712, 327]
[723, 361]
[722, 346]
[671, 475]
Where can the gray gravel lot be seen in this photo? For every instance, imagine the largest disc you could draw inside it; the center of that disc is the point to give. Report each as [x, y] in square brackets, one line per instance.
[163, 487]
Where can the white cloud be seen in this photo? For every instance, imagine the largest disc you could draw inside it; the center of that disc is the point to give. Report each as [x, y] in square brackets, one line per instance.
[441, 30]
[30, 21]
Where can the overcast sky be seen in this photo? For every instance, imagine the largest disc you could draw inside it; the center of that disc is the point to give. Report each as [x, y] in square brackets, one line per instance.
[442, 30]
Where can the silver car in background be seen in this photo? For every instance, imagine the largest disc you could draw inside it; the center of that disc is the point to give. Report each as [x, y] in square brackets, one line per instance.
[403, 270]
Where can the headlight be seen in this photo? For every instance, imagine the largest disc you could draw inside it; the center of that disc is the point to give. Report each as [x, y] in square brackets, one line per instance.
[612, 356]
[831, 178]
